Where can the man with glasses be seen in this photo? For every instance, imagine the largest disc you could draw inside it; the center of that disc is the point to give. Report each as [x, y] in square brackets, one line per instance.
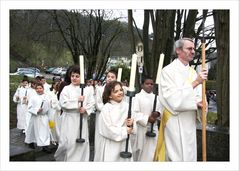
[180, 92]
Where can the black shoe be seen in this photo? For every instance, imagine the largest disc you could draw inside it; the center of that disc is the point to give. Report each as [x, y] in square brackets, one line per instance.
[32, 145]
[46, 149]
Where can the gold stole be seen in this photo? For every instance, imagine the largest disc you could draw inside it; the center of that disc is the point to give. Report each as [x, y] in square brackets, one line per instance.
[160, 153]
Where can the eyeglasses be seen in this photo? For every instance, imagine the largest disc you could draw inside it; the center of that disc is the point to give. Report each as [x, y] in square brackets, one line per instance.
[190, 48]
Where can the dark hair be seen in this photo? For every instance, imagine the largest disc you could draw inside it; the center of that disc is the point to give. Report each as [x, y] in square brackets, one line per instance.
[113, 71]
[67, 79]
[146, 77]
[74, 69]
[40, 84]
[108, 89]
[53, 83]
[25, 78]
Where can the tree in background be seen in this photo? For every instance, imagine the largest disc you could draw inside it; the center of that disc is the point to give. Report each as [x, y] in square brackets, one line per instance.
[222, 22]
[86, 32]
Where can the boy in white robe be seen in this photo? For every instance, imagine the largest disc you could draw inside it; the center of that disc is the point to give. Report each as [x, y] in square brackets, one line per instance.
[20, 97]
[114, 126]
[144, 146]
[70, 99]
[180, 94]
[38, 130]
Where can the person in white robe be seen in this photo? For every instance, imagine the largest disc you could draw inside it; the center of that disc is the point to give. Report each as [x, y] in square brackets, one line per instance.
[21, 98]
[111, 76]
[70, 99]
[38, 130]
[45, 84]
[54, 112]
[181, 97]
[144, 146]
[31, 92]
[114, 126]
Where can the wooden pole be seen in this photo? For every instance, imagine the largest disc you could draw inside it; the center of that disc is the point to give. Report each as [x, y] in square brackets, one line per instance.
[204, 145]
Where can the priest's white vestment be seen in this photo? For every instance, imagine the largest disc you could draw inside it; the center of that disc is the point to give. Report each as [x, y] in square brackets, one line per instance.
[180, 99]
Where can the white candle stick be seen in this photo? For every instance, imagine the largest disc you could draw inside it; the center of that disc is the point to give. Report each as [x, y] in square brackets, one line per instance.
[82, 73]
[160, 66]
[119, 74]
[133, 72]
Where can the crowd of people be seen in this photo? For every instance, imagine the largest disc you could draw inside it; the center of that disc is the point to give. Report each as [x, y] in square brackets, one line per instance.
[59, 114]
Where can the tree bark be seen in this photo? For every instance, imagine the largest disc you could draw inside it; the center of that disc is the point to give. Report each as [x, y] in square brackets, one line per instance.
[221, 20]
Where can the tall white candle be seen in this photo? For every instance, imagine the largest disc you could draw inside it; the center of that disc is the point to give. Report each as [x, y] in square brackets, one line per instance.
[133, 72]
[82, 73]
[160, 66]
[119, 74]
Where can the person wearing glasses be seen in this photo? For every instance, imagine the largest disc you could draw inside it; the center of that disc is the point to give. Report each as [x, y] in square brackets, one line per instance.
[180, 93]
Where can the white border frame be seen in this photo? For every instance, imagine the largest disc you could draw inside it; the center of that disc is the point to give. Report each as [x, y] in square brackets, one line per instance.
[7, 5]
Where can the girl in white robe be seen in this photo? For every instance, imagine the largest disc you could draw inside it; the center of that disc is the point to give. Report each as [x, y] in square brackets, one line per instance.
[38, 130]
[114, 125]
[70, 99]
[144, 146]
[111, 76]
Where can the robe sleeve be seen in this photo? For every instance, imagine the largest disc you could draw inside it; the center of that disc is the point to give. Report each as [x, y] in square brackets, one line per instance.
[90, 102]
[66, 102]
[15, 96]
[32, 107]
[179, 98]
[55, 103]
[98, 98]
[109, 130]
[139, 117]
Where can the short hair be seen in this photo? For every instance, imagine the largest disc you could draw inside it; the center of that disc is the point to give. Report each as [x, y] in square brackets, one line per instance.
[146, 77]
[75, 69]
[25, 78]
[108, 89]
[180, 43]
[113, 71]
[39, 84]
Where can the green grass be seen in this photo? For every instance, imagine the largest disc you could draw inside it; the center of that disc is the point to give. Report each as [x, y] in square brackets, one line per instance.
[211, 117]
[14, 82]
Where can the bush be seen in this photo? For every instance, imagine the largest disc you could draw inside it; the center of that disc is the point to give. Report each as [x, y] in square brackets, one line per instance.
[211, 117]
[211, 85]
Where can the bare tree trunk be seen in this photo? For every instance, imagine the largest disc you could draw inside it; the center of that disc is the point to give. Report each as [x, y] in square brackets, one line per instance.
[131, 31]
[163, 39]
[189, 25]
[146, 38]
[221, 20]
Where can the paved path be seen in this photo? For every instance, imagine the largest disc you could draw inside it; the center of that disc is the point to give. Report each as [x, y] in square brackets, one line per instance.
[19, 151]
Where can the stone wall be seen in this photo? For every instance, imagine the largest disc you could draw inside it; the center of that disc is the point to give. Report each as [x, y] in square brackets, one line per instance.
[218, 144]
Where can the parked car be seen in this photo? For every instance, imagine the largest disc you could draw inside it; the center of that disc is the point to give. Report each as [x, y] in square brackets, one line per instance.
[29, 73]
[49, 70]
[31, 69]
[57, 71]
[60, 71]
[63, 72]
